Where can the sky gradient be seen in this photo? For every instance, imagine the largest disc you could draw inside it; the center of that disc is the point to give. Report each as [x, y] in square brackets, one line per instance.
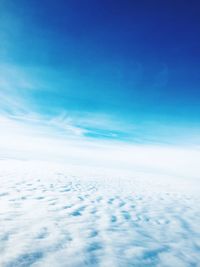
[101, 70]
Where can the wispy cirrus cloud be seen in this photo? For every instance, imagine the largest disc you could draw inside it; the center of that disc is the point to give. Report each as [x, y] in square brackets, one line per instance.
[17, 104]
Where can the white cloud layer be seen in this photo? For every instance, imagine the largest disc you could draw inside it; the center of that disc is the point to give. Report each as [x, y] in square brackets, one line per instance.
[70, 216]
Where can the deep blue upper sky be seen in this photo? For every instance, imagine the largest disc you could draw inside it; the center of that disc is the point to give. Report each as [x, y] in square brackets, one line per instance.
[136, 61]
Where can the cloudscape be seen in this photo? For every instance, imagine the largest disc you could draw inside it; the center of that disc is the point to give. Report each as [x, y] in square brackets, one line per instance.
[99, 133]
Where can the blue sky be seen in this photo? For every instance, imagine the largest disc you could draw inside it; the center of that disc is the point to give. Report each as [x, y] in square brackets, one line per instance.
[111, 70]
